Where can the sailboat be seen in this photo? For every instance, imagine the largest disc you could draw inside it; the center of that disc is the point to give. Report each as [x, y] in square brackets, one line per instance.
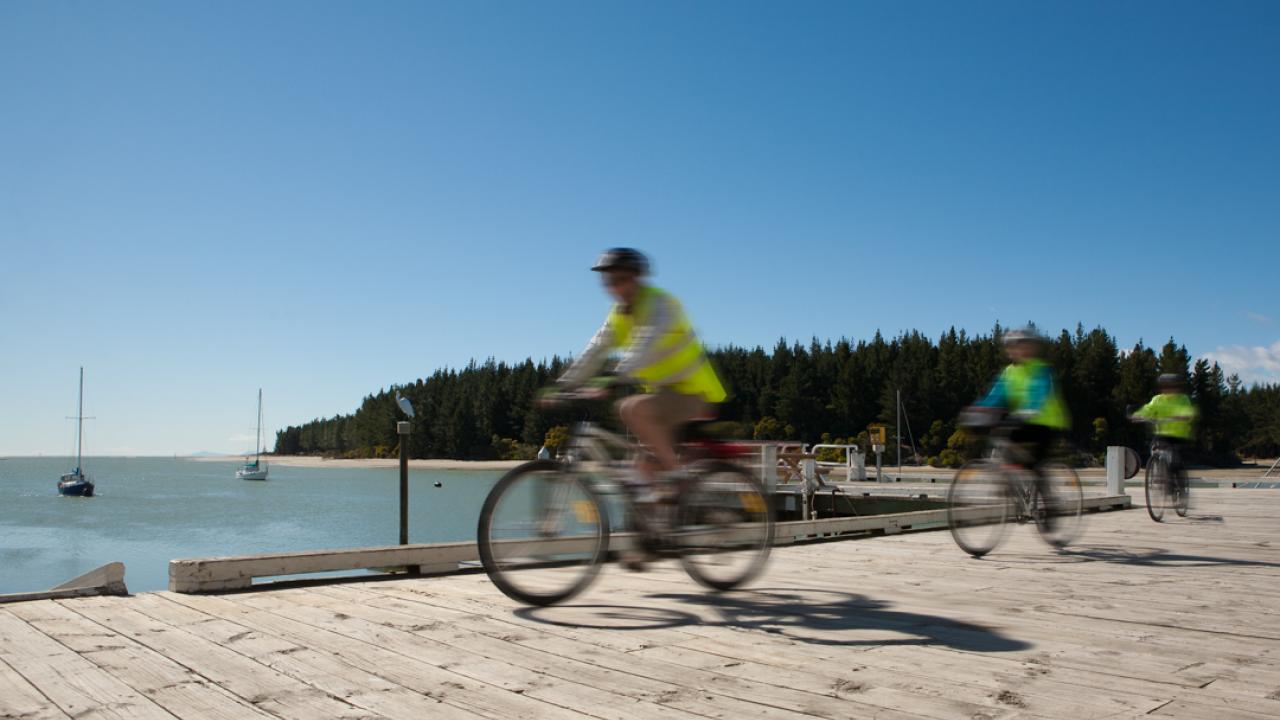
[256, 470]
[76, 483]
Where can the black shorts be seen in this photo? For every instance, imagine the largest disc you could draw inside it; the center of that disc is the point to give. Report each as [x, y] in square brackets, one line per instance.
[1036, 439]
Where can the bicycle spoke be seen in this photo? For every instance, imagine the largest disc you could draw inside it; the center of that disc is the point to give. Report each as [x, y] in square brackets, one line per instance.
[543, 534]
[978, 507]
[1157, 486]
[724, 527]
[1062, 504]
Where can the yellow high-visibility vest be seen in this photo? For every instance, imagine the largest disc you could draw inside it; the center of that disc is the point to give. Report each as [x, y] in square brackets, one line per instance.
[1018, 377]
[678, 360]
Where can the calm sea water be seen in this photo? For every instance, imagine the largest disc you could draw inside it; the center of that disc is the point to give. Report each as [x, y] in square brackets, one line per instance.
[148, 511]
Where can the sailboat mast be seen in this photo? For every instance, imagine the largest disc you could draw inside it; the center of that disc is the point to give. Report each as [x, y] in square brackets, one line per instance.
[257, 443]
[80, 420]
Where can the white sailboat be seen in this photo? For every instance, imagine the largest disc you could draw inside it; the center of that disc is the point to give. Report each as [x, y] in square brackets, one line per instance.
[256, 470]
[76, 483]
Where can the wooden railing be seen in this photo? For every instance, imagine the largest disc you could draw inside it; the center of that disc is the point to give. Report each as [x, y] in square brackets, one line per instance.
[203, 575]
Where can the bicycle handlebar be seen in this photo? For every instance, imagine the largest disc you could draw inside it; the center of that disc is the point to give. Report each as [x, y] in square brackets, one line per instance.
[588, 393]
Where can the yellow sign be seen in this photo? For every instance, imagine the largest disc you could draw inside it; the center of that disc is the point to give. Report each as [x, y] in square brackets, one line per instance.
[877, 434]
[585, 510]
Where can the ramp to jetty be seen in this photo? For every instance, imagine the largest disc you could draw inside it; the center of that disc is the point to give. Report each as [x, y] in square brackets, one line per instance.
[1174, 620]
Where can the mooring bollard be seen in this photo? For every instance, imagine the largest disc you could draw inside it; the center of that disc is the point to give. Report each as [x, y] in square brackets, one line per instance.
[769, 468]
[809, 470]
[1115, 470]
[857, 464]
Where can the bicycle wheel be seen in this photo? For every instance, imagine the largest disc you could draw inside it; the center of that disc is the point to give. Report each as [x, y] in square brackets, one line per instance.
[543, 534]
[978, 507]
[1157, 488]
[1060, 516]
[724, 527]
[1181, 494]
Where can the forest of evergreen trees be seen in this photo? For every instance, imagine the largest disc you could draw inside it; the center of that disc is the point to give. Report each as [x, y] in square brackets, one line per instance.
[825, 391]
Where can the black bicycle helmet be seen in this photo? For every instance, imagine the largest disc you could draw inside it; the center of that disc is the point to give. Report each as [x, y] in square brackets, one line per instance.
[622, 259]
[1172, 380]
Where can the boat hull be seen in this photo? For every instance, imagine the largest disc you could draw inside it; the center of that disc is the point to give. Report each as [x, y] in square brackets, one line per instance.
[76, 488]
[252, 474]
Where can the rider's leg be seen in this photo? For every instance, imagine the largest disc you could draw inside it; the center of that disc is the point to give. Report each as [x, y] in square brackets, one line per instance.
[1176, 471]
[1038, 441]
[653, 419]
[638, 414]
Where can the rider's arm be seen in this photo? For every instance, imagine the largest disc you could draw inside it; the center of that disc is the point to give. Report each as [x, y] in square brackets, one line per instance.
[1188, 411]
[997, 396]
[593, 357]
[642, 347]
[1146, 412]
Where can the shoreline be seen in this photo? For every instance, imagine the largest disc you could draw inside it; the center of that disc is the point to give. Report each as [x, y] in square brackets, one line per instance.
[316, 461]
[1250, 472]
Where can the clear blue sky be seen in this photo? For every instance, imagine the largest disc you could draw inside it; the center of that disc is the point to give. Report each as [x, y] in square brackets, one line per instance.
[322, 199]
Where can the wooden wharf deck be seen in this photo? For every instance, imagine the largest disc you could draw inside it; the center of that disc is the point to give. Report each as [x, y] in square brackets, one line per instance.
[1175, 620]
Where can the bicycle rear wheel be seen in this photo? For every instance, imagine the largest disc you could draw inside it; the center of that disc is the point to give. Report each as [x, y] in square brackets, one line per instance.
[724, 526]
[1181, 494]
[1060, 517]
[543, 534]
[1157, 488]
[978, 507]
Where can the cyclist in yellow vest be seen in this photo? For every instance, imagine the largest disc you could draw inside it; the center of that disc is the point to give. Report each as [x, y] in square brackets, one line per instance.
[659, 351]
[1172, 414]
[1028, 390]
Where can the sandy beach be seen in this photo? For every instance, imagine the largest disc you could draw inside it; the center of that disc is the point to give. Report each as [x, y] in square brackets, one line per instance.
[316, 461]
[1251, 471]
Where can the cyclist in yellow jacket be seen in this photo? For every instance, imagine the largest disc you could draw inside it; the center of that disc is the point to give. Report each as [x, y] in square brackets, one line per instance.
[1172, 414]
[660, 352]
[1028, 390]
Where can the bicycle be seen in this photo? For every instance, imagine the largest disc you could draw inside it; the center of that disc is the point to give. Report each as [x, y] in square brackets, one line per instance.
[988, 494]
[544, 529]
[1164, 488]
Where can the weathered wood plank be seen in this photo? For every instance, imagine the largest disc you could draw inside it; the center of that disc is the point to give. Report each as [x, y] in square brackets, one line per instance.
[254, 682]
[566, 688]
[812, 660]
[21, 699]
[410, 671]
[74, 685]
[178, 689]
[639, 677]
[105, 580]
[322, 670]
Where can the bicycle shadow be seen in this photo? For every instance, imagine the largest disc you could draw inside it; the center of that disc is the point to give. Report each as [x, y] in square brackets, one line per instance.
[1194, 519]
[609, 617]
[1156, 557]
[817, 617]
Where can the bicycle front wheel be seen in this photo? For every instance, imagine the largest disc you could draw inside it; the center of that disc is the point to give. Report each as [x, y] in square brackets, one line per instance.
[1157, 488]
[1059, 516]
[543, 534]
[724, 527]
[979, 506]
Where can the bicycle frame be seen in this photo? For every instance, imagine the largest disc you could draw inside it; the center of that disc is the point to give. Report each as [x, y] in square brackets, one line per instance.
[590, 446]
[1162, 451]
[1019, 482]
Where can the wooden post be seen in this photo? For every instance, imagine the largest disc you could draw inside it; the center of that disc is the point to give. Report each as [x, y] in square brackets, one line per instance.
[402, 429]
